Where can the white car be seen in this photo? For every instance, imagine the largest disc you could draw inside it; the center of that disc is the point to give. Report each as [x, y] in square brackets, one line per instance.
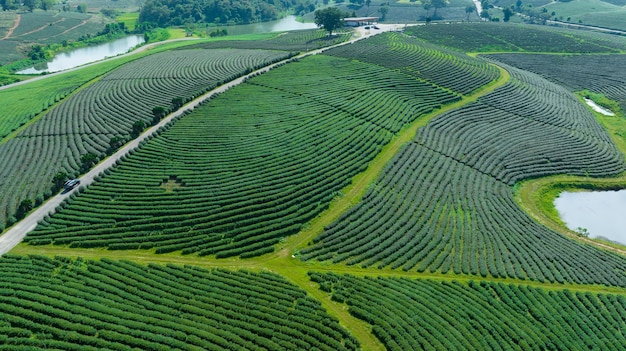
[71, 184]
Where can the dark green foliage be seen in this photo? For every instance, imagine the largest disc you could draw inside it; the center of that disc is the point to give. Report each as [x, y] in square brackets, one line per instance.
[446, 203]
[252, 165]
[442, 315]
[329, 19]
[24, 207]
[490, 37]
[58, 180]
[138, 128]
[75, 305]
[164, 13]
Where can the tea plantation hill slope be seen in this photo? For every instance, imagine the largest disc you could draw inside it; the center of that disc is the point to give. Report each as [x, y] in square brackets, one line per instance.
[602, 74]
[445, 203]
[73, 304]
[438, 313]
[502, 37]
[254, 165]
[427, 314]
[43, 28]
[86, 122]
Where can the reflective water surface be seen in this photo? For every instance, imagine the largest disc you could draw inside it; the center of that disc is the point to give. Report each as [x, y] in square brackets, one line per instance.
[89, 54]
[601, 213]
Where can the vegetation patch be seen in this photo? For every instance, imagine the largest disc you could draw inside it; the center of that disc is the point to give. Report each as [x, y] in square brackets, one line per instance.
[445, 202]
[446, 315]
[101, 117]
[75, 304]
[498, 37]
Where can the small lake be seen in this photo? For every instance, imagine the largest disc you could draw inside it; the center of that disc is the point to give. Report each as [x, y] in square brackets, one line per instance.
[79, 57]
[599, 108]
[284, 24]
[602, 213]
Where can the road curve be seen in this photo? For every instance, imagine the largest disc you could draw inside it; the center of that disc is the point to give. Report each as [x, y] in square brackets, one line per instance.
[14, 235]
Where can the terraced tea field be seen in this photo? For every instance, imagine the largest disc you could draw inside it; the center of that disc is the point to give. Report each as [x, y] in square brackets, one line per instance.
[501, 37]
[226, 194]
[363, 198]
[598, 73]
[86, 122]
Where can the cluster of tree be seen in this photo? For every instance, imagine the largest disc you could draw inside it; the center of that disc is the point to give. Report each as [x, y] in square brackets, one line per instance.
[433, 4]
[163, 13]
[30, 5]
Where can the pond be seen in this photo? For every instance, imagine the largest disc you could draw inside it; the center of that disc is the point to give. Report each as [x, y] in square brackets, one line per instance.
[88, 54]
[601, 213]
[599, 108]
[284, 24]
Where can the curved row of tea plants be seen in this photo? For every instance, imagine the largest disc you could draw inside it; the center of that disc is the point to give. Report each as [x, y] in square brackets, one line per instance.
[68, 304]
[300, 40]
[445, 202]
[447, 315]
[498, 37]
[529, 128]
[430, 212]
[449, 69]
[250, 167]
[603, 74]
[86, 122]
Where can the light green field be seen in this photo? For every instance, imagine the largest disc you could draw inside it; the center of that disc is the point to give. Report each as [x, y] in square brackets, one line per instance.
[590, 12]
[129, 19]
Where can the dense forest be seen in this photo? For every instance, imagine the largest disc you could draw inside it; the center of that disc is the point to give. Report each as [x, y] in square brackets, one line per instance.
[165, 13]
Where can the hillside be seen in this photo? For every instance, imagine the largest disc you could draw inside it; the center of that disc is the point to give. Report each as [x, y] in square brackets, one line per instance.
[360, 198]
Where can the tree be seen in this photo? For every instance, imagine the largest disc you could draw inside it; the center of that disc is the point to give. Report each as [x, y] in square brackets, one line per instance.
[177, 102]
[88, 160]
[485, 14]
[115, 143]
[138, 127]
[58, 180]
[384, 10]
[507, 14]
[23, 208]
[329, 18]
[468, 10]
[368, 3]
[158, 113]
[437, 4]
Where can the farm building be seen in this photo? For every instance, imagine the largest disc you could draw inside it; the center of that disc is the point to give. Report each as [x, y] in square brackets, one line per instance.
[359, 21]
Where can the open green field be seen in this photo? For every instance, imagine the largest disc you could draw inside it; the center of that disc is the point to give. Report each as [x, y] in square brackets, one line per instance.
[591, 12]
[129, 19]
[363, 198]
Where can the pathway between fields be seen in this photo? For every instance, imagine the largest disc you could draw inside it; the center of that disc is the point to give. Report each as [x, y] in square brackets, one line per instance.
[12, 29]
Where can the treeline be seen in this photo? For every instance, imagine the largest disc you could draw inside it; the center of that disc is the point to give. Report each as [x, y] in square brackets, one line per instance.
[163, 13]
